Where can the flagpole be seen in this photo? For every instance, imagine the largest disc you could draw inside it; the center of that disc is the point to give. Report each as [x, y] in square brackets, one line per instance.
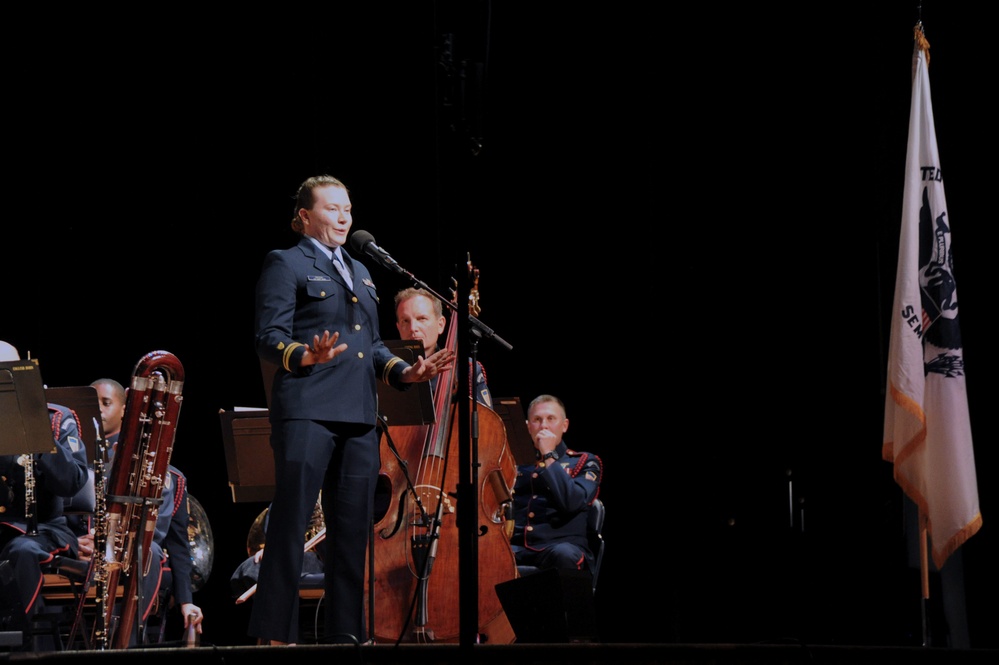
[924, 574]
[924, 563]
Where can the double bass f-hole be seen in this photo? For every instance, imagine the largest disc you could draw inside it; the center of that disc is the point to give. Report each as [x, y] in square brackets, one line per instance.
[403, 466]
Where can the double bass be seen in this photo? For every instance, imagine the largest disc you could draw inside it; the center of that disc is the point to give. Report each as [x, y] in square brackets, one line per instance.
[415, 543]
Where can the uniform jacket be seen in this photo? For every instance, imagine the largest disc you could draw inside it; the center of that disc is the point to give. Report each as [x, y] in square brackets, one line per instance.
[172, 533]
[551, 505]
[57, 474]
[299, 295]
[481, 387]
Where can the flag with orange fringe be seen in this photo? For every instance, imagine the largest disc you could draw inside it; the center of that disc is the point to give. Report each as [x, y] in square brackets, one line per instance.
[927, 427]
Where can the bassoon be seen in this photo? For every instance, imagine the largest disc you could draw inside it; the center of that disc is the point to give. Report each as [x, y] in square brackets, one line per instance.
[135, 485]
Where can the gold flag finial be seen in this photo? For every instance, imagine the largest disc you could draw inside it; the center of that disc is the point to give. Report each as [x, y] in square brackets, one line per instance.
[921, 41]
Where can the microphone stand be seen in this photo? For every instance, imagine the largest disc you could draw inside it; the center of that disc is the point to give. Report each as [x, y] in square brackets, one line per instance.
[468, 473]
[468, 478]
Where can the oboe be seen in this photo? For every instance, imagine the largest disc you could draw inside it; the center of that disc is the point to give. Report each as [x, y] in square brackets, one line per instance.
[30, 512]
[97, 572]
[100, 548]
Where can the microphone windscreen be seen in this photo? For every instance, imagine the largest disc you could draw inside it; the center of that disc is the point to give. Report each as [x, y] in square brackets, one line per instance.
[359, 240]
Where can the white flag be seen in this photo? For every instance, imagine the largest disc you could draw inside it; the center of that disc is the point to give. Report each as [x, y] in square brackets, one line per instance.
[927, 431]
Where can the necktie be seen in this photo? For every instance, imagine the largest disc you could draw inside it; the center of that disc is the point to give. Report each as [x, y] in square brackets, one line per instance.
[342, 269]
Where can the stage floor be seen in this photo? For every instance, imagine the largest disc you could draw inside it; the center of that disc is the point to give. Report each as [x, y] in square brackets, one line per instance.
[528, 654]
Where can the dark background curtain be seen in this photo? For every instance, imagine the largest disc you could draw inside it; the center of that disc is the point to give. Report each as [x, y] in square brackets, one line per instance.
[736, 172]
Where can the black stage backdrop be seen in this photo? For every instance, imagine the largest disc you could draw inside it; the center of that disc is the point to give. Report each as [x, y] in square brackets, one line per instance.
[686, 225]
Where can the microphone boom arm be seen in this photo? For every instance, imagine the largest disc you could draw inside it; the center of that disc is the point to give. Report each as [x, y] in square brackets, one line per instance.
[363, 242]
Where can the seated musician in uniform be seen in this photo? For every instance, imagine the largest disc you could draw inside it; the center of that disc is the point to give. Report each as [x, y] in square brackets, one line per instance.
[170, 549]
[419, 314]
[243, 581]
[33, 527]
[552, 496]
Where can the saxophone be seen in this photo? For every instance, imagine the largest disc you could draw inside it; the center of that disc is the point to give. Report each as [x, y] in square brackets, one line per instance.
[135, 485]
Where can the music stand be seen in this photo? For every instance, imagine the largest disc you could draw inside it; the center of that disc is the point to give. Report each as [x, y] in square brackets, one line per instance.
[549, 606]
[84, 401]
[86, 405]
[24, 413]
[249, 459]
[517, 434]
[406, 407]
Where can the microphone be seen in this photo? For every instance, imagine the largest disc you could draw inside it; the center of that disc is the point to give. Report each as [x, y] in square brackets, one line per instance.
[364, 242]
